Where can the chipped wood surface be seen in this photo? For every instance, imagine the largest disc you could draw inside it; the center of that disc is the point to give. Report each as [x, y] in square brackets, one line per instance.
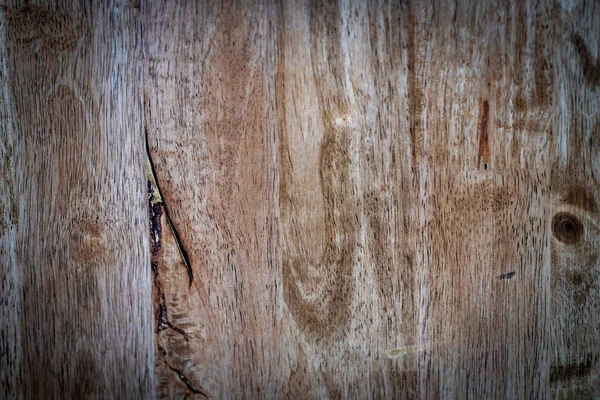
[358, 199]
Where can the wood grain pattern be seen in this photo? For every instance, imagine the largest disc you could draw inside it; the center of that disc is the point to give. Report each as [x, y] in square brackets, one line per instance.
[78, 289]
[345, 199]
[488, 285]
[209, 115]
[10, 335]
[574, 367]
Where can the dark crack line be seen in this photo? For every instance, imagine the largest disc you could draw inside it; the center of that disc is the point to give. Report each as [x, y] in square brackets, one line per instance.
[180, 247]
[167, 324]
[185, 380]
[180, 374]
[162, 313]
[162, 350]
[156, 210]
[483, 134]
[182, 251]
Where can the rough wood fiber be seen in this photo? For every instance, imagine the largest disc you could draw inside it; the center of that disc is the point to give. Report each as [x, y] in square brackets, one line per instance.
[209, 111]
[575, 283]
[350, 199]
[10, 337]
[75, 281]
[486, 309]
[411, 163]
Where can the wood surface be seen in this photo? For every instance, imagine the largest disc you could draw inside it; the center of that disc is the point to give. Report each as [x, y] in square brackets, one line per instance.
[296, 199]
[76, 311]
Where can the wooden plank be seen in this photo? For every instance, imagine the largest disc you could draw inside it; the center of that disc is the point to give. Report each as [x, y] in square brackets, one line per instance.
[73, 246]
[575, 285]
[485, 100]
[10, 335]
[209, 110]
[486, 311]
[408, 193]
[357, 199]
[347, 198]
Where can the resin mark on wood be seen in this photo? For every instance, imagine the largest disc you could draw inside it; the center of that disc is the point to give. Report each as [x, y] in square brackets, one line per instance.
[483, 154]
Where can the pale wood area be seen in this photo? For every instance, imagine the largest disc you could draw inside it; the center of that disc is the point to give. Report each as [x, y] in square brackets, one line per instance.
[352, 199]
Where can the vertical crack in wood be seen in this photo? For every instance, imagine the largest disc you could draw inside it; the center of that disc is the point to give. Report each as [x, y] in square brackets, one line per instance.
[181, 375]
[156, 208]
[159, 199]
[187, 382]
[162, 315]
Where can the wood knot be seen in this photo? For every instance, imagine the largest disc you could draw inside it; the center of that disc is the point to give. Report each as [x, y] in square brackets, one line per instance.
[567, 228]
[343, 120]
[89, 242]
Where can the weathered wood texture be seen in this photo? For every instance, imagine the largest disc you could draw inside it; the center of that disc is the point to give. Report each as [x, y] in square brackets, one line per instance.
[76, 311]
[357, 199]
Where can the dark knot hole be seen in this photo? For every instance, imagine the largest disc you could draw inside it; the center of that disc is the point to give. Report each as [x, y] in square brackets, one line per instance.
[567, 228]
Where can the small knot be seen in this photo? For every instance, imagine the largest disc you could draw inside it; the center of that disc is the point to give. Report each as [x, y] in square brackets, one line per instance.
[89, 242]
[567, 228]
[343, 120]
